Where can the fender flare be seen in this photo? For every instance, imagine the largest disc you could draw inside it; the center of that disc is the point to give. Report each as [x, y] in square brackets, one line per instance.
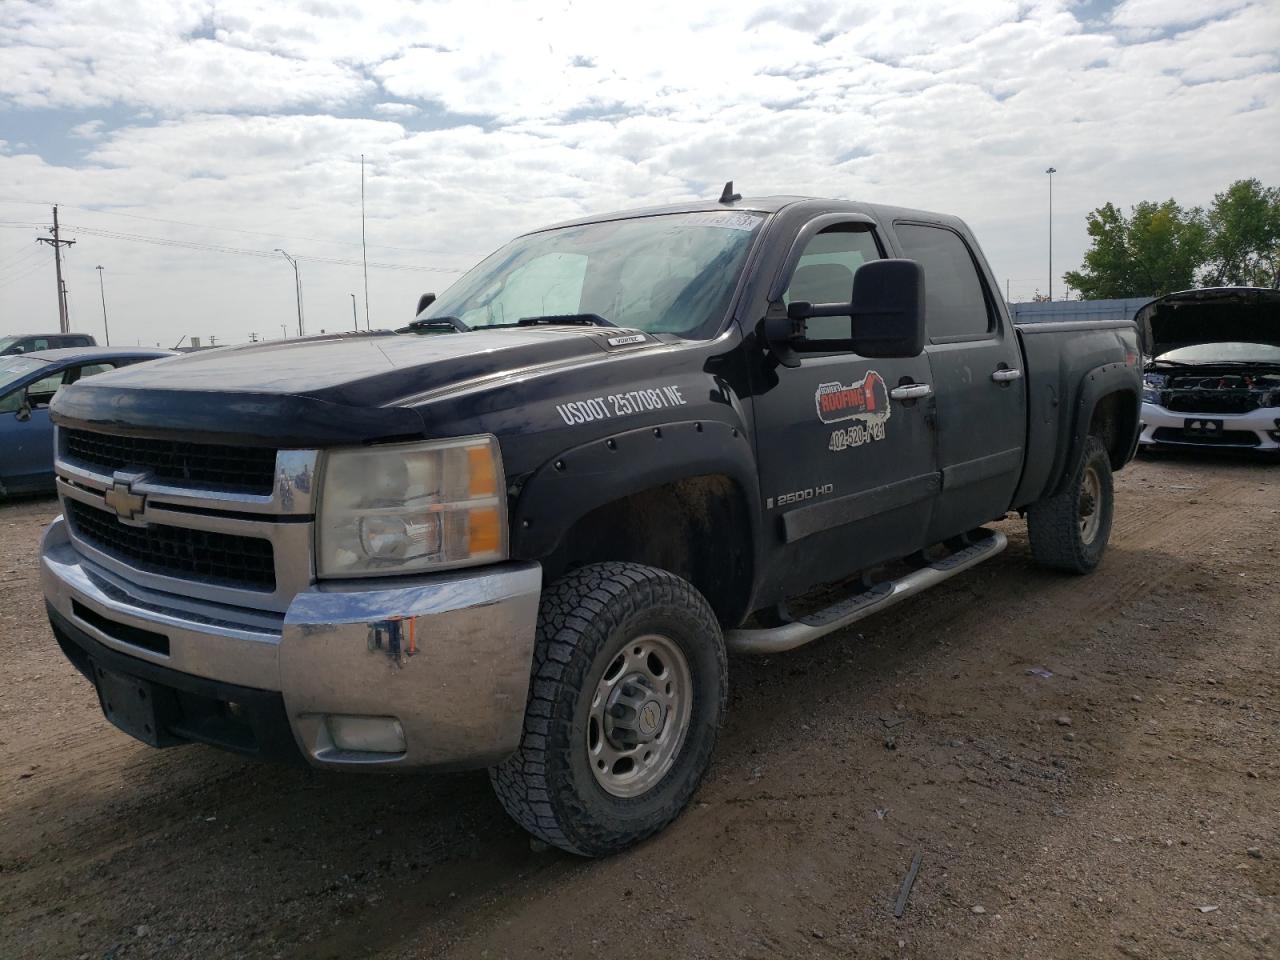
[1101, 381]
[568, 487]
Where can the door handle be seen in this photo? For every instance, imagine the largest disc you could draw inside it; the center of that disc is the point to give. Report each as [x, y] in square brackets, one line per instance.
[1006, 376]
[911, 391]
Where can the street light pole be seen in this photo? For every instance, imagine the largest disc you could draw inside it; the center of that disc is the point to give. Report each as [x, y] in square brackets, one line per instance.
[1051, 171]
[103, 290]
[355, 317]
[297, 285]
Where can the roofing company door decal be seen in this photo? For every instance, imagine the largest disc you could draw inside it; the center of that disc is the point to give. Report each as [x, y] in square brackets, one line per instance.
[866, 400]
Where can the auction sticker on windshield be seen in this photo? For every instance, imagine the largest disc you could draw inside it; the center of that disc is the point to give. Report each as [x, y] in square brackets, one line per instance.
[726, 221]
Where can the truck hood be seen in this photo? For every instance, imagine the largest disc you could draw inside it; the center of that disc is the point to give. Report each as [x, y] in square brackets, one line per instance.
[323, 390]
[1213, 315]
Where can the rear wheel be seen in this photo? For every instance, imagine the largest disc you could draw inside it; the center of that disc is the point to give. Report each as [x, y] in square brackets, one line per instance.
[626, 700]
[1070, 531]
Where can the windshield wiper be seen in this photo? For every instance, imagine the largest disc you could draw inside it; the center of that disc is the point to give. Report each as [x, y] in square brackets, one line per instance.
[579, 319]
[435, 323]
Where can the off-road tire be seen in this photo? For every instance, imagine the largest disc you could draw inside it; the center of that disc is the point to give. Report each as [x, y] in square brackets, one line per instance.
[585, 620]
[1054, 523]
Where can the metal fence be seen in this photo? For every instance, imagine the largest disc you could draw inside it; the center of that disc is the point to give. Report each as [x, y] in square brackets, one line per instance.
[1051, 310]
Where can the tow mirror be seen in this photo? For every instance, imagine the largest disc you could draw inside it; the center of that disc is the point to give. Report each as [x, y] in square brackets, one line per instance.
[886, 316]
[424, 301]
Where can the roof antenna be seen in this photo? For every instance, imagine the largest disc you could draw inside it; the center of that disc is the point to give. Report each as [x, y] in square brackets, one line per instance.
[727, 195]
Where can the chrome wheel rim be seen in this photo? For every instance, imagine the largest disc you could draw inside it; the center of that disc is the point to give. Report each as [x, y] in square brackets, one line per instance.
[1090, 511]
[639, 716]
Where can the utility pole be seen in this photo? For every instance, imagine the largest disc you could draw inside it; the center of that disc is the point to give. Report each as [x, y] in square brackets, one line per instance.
[284, 331]
[103, 290]
[297, 286]
[1051, 171]
[364, 250]
[56, 241]
[355, 317]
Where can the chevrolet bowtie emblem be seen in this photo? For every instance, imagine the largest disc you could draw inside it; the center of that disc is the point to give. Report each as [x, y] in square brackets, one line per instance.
[121, 498]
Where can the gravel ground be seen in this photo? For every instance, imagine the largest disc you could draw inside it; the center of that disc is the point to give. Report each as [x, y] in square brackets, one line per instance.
[1086, 766]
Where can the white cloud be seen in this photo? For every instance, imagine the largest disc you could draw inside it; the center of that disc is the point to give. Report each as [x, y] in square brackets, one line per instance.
[479, 122]
[396, 109]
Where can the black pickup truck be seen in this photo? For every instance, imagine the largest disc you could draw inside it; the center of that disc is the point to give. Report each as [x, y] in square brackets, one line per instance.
[523, 535]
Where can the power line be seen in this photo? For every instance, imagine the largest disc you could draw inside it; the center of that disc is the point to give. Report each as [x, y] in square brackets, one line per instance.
[210, 226]
[241, 251]
[35, 267]
[25, 257]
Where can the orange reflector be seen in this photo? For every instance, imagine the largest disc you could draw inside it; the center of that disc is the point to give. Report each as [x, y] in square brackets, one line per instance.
[484, 482]
[484, 534]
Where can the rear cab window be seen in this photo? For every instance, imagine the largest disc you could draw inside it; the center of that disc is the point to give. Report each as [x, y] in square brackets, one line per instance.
[956, 303]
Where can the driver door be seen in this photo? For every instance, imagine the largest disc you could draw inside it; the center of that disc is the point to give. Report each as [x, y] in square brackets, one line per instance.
[845, 444]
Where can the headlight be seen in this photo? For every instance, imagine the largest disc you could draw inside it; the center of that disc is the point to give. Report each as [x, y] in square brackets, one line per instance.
[1150, 395]
[409, 507]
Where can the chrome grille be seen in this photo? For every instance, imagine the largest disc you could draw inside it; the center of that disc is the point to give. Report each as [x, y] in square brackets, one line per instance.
[211, 465]
[246, 562]
[203, 542]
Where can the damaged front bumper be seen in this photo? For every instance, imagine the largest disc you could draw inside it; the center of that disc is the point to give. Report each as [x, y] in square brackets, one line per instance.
[428, 671]
[1256, 430]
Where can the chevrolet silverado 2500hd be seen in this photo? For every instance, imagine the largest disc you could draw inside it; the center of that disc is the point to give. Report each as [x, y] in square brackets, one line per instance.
[523, 535]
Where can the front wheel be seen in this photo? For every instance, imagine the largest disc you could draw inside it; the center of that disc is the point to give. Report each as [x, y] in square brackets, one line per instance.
[1070, 531]
[626, 700]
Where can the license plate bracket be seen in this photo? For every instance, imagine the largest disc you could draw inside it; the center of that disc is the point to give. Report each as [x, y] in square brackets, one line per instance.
[1202, 427]
[129, 703]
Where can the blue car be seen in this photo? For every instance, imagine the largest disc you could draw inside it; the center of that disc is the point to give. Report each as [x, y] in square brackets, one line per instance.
[28, 382]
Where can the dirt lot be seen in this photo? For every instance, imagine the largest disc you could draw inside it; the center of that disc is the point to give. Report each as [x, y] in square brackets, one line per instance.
[1128, 805]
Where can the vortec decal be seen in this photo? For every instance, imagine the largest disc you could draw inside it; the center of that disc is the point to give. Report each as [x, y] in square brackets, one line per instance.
[866, 400]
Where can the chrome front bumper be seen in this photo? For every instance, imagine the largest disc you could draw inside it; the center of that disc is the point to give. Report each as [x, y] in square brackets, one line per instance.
[449, 656]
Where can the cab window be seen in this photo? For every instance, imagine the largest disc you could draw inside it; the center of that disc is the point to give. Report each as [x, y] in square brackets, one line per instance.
[955, 303]
[40, 393]
[824, 274]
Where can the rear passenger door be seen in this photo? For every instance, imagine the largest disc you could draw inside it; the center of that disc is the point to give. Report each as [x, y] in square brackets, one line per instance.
[975, 365]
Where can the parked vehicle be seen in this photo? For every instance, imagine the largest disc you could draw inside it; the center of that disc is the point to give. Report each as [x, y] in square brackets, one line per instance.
[31, 342]
[28, 383]
[526, 540]
[1213, 377]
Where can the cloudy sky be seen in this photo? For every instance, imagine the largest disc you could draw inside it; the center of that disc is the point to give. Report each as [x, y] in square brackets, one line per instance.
[186, 140]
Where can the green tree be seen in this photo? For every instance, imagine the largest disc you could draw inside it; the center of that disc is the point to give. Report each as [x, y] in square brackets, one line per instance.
[1155, 251]
[1243, 248]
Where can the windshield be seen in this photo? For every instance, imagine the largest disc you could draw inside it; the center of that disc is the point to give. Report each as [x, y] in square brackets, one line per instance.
[664, 274]
[7, 342]
[13, 369]
[1224, 352]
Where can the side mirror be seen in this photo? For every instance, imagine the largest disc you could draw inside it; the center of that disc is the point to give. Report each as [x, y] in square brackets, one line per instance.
[424, 301]
[19, 348]
[886, 316]
[24, 411]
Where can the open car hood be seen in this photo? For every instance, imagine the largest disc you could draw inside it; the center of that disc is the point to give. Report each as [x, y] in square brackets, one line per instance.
[1211, 315]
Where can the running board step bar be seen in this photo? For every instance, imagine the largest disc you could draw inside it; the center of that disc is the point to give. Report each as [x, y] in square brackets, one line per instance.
[810, 627]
